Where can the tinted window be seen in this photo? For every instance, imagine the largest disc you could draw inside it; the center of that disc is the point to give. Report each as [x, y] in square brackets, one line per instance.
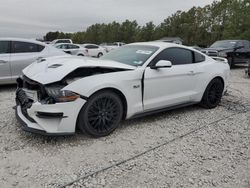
[198, 57]
[26, 47]
[63, 41]
[71, 46]
[224, 44]
[4, 47]
[177, 56]
[135, 55]
[239, 44]
[247, 44]
[91, 46]
[63, 46]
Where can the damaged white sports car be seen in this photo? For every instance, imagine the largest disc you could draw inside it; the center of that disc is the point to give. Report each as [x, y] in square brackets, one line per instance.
[56, 95]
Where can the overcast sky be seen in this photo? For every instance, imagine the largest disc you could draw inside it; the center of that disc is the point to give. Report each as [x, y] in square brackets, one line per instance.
[34, 18]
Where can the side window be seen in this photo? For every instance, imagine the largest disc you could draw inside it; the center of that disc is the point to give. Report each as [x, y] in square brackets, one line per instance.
[239, 43]
[71, 46]
[178, 56]
[247, 44]
[65, 46]
[40, 48]
[91, 46]
[88, 46]
[4, 47]
[198, 57]
[26, 47]
[59, 46]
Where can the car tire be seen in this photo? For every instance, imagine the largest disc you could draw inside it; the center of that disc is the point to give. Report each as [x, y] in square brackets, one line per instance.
[213, 94]
[101, 115]
[99, 55]
[80, 55]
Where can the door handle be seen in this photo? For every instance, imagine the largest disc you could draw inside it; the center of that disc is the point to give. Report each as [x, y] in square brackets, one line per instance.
[39, 58]
[3, 62]
[191, 73]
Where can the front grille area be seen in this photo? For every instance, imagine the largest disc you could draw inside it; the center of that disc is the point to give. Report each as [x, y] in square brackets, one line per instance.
[24, 102]
[29, 84]
[22, 98]
[213, 53]
[210, 53]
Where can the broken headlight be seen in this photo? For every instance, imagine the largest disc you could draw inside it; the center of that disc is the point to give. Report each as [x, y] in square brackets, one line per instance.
[57, 95]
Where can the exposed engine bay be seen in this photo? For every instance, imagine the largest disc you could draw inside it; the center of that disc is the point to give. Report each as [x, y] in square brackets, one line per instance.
[52, 93]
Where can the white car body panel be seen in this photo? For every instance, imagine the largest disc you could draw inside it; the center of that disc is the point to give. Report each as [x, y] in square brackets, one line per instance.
[72, 49]
[41, 72]
[145, 89]
[5, 69]
[54, 125]
[125, 82]
[155, 80]
[94, 52]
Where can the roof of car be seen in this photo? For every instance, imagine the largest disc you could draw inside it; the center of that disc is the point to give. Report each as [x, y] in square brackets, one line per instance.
[22, 40]
[57, 44]
[89, 44]
[158, 44]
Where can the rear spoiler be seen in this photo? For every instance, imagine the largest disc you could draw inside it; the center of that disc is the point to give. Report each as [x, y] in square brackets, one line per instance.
[220, 59]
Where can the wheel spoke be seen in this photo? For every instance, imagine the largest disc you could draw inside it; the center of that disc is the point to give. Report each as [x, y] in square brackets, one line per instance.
[102, 114]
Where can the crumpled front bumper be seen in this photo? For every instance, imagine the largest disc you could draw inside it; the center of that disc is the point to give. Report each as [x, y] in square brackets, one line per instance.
[49, 119]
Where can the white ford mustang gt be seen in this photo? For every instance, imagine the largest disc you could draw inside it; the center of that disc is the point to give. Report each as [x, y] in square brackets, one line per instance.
[56, 95]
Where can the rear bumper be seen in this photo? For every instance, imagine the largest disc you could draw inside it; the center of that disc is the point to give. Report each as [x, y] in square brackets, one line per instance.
[49, 119]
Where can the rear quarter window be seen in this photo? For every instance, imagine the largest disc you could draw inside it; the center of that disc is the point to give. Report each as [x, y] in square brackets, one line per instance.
[4, 47]
[26, 47]
[178, 56]
[198, 57]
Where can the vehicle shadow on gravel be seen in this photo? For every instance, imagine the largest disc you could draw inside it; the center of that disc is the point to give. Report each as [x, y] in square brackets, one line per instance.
[83, 138]
[229, 104]
[8, 88]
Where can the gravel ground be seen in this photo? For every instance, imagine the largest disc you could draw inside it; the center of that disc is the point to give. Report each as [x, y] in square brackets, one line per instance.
[188, 147]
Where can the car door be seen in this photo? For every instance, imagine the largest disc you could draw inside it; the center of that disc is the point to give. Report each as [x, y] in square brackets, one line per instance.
[23, 54]
[65, 48]
[92, 50]
[246, 55]
[241, 53]
[73, 49]
[165, 87]
[5, 72]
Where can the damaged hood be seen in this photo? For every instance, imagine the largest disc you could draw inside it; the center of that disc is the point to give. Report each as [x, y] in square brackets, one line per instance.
[55, 69]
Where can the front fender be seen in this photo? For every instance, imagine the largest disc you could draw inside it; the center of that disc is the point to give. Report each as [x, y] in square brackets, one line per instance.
[124, 81]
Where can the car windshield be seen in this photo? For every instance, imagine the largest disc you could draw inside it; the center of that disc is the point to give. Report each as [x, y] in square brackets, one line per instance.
[135, 55]
[224, 44]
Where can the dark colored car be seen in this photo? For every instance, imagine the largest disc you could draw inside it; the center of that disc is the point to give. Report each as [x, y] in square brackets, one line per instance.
[248, 69]
[236, 51]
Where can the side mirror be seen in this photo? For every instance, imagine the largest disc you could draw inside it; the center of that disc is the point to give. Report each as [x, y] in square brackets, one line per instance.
[162, 64]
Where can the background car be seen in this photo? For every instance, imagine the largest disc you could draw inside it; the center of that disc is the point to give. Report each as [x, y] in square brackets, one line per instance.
[73, 49]
[94, 50]
[236, 51]
[69, 41]
[134, 80]
[16, 54]
[112, 46]
[248, 68]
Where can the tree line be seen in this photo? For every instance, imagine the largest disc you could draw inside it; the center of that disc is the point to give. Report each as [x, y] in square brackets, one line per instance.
[225, 19]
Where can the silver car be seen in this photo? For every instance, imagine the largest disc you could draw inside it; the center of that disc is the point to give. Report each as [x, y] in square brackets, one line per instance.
[16, 54]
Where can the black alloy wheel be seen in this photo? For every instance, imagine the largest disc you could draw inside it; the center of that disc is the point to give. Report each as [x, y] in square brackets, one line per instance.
[100, 55]
[101, 115]
[213, 94]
